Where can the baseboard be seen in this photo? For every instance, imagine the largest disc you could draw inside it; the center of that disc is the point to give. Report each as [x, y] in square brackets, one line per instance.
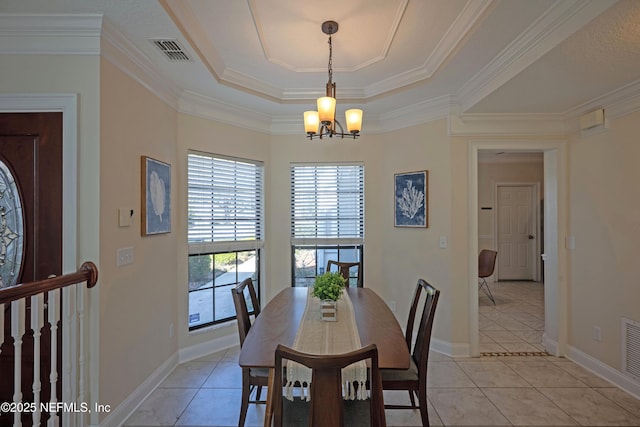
[450, 349]
[605, 371]
[196, 351]
[122, 412]
[550, 345]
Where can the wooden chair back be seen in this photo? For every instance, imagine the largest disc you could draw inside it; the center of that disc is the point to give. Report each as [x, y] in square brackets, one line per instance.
[242, 311]
[345, 270]
[420, 352]
[327, 403]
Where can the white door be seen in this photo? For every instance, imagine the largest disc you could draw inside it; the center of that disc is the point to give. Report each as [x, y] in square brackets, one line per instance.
[515, 233]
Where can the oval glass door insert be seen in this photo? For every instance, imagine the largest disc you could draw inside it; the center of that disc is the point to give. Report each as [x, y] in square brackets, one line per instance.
[11, 229]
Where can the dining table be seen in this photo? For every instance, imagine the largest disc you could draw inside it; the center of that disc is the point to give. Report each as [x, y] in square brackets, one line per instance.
[279, 320]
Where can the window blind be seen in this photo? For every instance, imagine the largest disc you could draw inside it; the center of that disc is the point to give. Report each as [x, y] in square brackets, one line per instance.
[225, 200]
[327, 203]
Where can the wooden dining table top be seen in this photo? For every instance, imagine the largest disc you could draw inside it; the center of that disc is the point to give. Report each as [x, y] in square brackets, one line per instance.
[279, 320]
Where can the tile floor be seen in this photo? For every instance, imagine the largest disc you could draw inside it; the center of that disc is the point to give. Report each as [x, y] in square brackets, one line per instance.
[487, 391]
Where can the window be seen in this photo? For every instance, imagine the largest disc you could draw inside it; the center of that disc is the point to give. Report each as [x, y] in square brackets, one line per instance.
[225, 214]
[327, 217]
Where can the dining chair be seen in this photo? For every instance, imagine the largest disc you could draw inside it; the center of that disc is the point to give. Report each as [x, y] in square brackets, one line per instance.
[486, 265]
[414, 379]
[327, 407]
[345, 270]
[251, 377]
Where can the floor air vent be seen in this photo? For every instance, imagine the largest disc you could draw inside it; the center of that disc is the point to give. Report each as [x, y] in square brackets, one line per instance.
[172, 49]
[631, 348]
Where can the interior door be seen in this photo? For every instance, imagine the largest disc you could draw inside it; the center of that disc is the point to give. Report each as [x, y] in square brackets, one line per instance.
[515, 233]
[31, 150]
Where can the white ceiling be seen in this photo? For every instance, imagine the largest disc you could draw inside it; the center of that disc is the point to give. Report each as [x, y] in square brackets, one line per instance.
[390, 57]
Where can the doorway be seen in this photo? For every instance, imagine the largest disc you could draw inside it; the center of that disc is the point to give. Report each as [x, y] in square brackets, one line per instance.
[555, 315]
[517, 229]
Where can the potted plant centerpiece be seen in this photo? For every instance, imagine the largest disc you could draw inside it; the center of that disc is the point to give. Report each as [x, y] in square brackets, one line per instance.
[328, 288]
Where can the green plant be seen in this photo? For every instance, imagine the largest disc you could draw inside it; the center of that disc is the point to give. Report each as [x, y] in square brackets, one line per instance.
[328, 286]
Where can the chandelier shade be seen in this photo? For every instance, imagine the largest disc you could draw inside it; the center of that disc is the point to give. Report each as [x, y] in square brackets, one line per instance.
[323, 123]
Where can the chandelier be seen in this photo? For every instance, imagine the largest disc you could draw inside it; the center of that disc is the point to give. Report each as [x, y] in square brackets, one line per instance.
[318, 124]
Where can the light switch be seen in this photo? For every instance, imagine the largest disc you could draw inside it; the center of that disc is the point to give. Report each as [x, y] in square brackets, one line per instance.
[570, 243]
[124, 217]
[443, 242]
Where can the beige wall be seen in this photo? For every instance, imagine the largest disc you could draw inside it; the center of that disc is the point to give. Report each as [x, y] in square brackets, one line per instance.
[605, 220]
[137, 301]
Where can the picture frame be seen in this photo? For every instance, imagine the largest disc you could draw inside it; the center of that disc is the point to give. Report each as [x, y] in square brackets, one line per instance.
[411, 199]
[155, 196]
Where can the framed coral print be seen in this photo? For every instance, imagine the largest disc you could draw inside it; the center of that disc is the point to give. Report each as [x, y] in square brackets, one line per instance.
[156, 196]
[411, 199]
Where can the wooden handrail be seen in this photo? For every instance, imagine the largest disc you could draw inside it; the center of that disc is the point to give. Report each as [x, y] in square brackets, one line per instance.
[88, 272]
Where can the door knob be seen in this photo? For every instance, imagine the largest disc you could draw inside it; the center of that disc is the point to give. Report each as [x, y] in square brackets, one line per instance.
[531, 237]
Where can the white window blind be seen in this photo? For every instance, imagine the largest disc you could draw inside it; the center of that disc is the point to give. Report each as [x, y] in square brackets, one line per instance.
[225, 202]
[327, 203]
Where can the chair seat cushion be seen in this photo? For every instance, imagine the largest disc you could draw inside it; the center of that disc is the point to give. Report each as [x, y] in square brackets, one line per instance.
[392, 375]
[357, 413]
[259, 372]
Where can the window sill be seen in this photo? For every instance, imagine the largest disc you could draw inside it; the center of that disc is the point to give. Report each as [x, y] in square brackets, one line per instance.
[212, 328]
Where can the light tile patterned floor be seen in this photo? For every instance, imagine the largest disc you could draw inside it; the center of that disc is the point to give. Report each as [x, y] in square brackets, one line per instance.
[487, 391]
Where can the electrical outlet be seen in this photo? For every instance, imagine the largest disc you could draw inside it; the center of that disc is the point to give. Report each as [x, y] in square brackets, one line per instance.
[124, 256]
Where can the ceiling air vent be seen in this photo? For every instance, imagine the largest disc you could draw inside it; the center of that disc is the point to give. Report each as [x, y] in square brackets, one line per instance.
[172, 49]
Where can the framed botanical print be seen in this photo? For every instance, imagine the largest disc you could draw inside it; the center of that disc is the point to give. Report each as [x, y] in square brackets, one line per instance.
[156, 196]
[411, 199]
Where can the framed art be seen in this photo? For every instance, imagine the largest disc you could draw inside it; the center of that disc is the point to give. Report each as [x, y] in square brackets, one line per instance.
[156, 196]
[411, 199]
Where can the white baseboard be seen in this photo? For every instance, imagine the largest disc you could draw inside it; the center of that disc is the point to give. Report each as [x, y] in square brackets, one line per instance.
[610, 374]
[450, 349]
[123, 411]
[550, 345]
[196, 351]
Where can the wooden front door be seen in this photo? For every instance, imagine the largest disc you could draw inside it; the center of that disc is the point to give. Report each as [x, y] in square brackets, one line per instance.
[31, 149]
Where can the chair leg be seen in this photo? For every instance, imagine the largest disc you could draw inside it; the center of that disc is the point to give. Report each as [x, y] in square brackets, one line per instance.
[424, 413]
[246, 391]
[411, 398]
[485, 287]
[258, 391]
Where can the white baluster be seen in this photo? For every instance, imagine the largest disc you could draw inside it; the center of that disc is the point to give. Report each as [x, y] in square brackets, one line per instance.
[53, 305]
[37, 322]
[17, 331]
[69, 352]
[80, 294]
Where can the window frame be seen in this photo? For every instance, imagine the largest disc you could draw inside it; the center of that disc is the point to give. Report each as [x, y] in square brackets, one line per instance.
[214, 247]
[350, 241]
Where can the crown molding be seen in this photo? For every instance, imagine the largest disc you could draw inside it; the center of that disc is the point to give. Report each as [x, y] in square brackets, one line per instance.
[212, 109]
[416, 114]
[617, 103]
[38, 34]
[124, 55]
[506, 124]
[555, 25]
